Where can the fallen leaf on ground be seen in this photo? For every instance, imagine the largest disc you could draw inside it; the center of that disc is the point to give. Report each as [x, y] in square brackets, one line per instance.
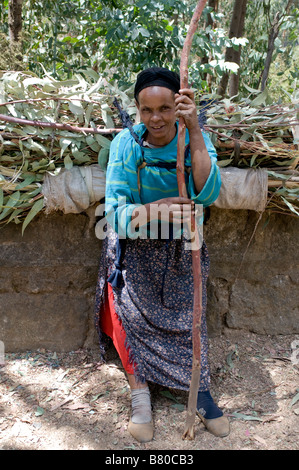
[260, 440]
[78, 406]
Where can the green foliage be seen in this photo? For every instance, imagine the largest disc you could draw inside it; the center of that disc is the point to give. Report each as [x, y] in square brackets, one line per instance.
[261, 13]
[118, 38]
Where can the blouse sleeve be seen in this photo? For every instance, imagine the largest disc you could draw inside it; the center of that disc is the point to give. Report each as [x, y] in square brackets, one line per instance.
[119, 197]
[211, 189]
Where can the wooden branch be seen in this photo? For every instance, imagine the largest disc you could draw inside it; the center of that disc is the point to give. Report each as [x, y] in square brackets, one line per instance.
[58, 126]
[196, 267]
[288, 183]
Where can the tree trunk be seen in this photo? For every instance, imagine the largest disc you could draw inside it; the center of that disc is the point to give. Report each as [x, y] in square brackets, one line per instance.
[235, 77]
[205, 59]
[274, 30]
[15, 19]
[272, 36]
[232, 55]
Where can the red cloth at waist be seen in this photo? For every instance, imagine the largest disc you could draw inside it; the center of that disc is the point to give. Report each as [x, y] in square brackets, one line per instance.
[111, 325]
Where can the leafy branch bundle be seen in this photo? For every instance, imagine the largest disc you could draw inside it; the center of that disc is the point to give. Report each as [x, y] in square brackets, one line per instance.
[76, 115]
[254, 134]
[47, 125]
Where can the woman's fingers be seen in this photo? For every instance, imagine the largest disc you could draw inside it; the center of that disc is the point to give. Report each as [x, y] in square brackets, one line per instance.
[188, 92]
[175, 210]
[186, 108]
[175, 200]
[180, 212]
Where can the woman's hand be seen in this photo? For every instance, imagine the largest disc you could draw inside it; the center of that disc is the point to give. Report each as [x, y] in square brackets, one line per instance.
[185, 107]
[200, 159]
[172, 209]
[176, 210]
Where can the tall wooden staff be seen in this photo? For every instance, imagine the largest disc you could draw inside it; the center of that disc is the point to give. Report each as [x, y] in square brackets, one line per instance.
[196, 267]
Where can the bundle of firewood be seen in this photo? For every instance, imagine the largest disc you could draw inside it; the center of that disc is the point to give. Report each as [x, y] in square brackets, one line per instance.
[47, 125]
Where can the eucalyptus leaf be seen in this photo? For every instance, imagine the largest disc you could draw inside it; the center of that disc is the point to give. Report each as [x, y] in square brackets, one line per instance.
[1, 199]
[253, 158]
[290, 206]
[168, 394]
[223, 163]
[103, 158]
[252, 90]
[68, 163]
[14, 215]
[278, 175]
[106, 115]
[26, 182]
[260, 99]
[244, 417]
[7, 158]
[64, 143]
[76, 108]
[284, 162]
[35, 146]
[80, 157]
[11, 202]
[178, 406]
[103, 141]
[88, 113]
[294, 400]
[35, 209]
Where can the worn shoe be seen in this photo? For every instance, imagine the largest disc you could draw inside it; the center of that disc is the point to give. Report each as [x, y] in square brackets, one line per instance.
[141, 425]
[219, 427]
[141, 432]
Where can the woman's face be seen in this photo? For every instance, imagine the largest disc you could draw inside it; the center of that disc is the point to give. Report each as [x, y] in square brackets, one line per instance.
[157, 111]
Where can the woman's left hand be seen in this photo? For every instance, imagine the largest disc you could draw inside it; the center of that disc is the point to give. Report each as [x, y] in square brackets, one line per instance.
[185, 107]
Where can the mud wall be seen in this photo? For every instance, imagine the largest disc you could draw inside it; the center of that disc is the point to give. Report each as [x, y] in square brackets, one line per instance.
[48, 278]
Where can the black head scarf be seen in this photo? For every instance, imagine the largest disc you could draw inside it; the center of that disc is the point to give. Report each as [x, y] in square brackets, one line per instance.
[157, 76]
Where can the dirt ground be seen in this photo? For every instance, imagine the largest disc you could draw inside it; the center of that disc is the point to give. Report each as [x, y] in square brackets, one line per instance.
[73, 401]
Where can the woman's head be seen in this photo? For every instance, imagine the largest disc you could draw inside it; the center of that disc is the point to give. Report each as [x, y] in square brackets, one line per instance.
[157, 76]
[154, 94]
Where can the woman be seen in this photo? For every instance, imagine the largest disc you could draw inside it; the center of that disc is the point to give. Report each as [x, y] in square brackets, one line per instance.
[146, 305]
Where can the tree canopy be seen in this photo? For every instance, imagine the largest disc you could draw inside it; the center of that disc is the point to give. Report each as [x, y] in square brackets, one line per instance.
[119, 38]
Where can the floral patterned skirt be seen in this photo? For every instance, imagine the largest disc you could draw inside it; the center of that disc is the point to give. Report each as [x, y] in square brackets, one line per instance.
[155, 306]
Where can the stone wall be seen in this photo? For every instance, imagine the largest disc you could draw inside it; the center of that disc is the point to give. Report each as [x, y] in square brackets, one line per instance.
[254, 274]
[47, 283]
[48, 278]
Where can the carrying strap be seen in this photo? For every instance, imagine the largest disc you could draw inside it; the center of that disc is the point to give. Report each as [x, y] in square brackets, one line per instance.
[161, 164]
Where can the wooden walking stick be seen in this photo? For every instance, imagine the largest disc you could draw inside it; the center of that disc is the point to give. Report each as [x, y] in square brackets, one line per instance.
[196, 268]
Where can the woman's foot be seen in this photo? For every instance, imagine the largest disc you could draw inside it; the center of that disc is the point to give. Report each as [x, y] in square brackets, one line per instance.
[141, 425]
[219, 427]
[211, 416]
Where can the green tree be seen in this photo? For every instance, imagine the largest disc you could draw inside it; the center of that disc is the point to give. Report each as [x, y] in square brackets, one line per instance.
[261, 14]
[118, 38]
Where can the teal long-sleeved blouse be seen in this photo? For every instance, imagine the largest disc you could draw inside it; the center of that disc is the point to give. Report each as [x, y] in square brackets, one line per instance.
[122, 194]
